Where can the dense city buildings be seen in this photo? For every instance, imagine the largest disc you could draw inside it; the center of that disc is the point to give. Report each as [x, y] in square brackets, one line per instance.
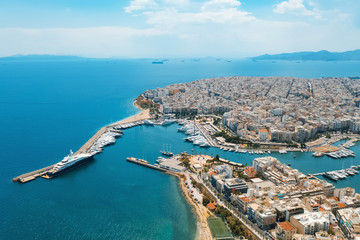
[272, 113]
[268, 109]
[284, 202]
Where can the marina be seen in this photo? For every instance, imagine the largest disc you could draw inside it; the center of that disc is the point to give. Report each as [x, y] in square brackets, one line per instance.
[342, 153]
[339, 174]
[105, 136]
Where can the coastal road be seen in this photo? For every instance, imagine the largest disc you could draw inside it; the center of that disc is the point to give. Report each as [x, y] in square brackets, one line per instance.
[222, 202]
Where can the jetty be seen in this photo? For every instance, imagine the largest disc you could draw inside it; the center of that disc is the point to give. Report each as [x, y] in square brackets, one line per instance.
[337, 174]
[145, 163]
[27, 177]
[87, 147]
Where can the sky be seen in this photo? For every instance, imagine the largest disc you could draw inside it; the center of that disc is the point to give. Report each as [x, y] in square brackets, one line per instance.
[177, 28]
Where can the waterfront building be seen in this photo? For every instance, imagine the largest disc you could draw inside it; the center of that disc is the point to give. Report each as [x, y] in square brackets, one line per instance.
[287, 208]
[282, 105]
[217, 181]
[285, 231]
[231, 185]
[312, 222]
[263, 134]
[250, 172]
[242, 202]
[224, 169]
[349, 222]
[264, 186]
[265, 218]
[251, 211]
[322, 236]
[172, 164]
[261, 163]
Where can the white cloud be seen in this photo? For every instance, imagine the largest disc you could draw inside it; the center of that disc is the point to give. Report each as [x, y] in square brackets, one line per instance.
[216, 5]
[137, 5]
[212, 11]
[177, 2]
[95, 41]
[293, 6]
[172, 18]
[192, 29]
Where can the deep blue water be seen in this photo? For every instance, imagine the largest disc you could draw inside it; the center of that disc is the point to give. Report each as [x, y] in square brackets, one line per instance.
[47, 108]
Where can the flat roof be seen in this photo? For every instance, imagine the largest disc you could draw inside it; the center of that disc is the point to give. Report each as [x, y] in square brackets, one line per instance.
[286, 226]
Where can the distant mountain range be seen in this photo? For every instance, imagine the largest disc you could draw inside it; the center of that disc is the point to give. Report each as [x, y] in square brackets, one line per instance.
[296, 56]
[314, 56]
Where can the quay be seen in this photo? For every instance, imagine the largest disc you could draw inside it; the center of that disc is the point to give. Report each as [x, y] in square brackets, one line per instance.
[85, 148]
[126, 123]
[322, 173]
[231, 163]
[145, 163]
[32, 175]
[204, 133]
[337, 174]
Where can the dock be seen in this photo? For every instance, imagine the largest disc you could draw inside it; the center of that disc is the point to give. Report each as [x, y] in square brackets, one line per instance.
[27, 177]
[91, 141]
[136, 119]
[322, 173]
[145, 163]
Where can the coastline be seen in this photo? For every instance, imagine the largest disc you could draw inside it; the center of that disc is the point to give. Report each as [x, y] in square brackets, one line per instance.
[203, 231]
[144, 114]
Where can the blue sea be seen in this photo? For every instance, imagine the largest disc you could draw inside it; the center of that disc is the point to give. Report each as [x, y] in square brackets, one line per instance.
[50, 107]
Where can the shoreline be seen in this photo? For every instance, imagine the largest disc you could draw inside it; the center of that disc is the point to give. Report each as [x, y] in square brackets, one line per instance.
[142, 115]
[203, 231]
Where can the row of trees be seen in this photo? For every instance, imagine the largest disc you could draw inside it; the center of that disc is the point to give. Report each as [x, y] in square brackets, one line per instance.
[232, 139]
[234, 223]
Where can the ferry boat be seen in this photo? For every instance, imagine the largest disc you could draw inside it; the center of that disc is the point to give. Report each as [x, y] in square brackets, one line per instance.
[70, 161]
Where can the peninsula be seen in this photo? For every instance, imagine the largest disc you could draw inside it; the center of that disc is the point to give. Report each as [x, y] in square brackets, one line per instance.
[313, 56]
[267, 112]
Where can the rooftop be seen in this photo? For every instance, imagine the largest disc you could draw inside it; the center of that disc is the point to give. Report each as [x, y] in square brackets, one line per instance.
[286, 226]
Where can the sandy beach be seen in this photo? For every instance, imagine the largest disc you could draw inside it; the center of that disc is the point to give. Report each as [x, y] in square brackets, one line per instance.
[144, 114]
[202, 213]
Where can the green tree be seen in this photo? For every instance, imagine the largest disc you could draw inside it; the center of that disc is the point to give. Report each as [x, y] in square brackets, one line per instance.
[206, 200]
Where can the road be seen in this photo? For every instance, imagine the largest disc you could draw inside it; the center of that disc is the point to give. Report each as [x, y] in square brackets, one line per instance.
[243, 219]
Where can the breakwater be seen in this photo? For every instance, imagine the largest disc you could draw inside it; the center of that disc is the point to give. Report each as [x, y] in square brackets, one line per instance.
[133, 121]
[32, 175]
[145, 163]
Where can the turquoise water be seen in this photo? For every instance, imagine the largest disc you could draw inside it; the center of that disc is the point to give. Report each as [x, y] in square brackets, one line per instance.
[48, 108]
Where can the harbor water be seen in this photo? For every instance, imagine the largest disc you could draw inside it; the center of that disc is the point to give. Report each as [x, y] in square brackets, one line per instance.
[48, 108]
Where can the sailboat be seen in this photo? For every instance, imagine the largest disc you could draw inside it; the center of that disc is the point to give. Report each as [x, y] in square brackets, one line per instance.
[167, 152]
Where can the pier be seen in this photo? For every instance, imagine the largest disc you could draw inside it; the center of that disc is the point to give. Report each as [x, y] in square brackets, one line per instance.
[345, 171]
[145, 163]
[32, 175]
[145, 114]
[91, 141]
